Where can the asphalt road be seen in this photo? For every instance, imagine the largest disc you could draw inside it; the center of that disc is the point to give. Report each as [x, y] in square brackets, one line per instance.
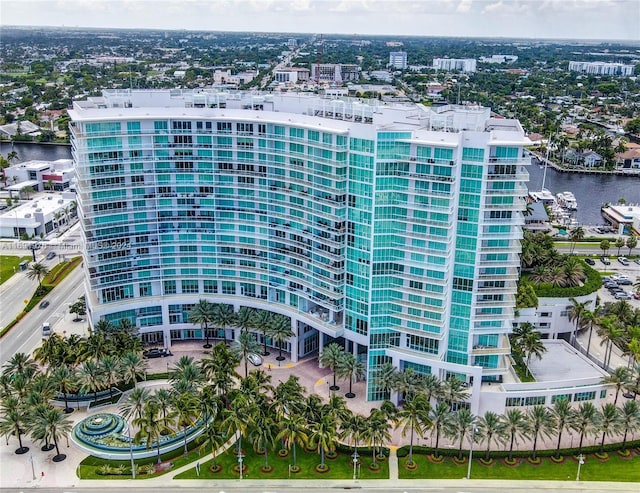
[472, 487]
[26, 334]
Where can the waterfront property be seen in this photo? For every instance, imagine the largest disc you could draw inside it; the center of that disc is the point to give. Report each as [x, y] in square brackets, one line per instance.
[394, 228]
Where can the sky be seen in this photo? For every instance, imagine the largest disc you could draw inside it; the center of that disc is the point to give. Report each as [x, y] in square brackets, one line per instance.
[558, 19]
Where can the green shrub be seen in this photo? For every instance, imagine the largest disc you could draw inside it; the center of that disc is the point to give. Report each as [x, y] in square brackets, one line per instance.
[592, 283]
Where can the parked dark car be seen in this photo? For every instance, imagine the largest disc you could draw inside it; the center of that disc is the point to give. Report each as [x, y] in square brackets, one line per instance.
[605, 260]
[44, 304]
[590, 261]
[156, 353]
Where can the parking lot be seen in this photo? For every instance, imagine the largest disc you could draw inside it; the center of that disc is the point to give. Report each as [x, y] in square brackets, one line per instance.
[619, 277]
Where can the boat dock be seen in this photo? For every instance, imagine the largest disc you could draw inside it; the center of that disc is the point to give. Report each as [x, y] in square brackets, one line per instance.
[621, 172]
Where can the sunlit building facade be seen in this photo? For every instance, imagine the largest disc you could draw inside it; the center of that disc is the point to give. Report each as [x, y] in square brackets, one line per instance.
[393, 228]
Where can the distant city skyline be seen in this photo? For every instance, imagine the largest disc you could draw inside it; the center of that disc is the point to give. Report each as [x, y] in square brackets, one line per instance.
[541, 19]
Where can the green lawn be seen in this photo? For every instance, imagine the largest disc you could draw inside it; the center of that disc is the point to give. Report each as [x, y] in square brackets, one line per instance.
[340, 468]
[615, 469]
[89, 467]
[9, 266]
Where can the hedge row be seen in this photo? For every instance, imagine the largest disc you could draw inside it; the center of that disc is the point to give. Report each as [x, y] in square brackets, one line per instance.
[609, 447]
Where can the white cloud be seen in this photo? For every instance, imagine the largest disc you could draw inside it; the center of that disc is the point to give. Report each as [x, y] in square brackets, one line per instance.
[464, 6]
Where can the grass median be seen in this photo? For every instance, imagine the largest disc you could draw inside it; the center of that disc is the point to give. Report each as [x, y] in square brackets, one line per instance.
[614, 468]
[339, 467]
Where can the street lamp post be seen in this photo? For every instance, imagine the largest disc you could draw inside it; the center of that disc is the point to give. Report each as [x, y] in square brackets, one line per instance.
[473, 439]
[580, 462]
[355, 463]
[240, 457]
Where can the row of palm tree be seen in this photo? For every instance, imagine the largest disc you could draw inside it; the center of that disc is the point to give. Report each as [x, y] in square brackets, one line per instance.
[409, 384]
[56, 350]
[617, 324]
[630, 242]
[25, 406]
[272, 326]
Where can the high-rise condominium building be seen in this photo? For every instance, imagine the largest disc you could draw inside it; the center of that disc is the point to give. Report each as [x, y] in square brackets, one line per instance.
[398, 59]
[394, 228]
[455, 64]
[602, 68]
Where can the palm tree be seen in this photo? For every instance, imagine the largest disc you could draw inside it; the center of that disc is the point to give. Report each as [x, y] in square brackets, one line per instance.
[280, 331]
[210, 406]
[608, 331]
[377, 432]
[223, 317]
[590, 319]
[63, 379]
[186, 409]
[235, 418]
[20, 364]
[110, 369]
[440, 416]
[54, 424]
[331, 356]
[37, 271]
[293, 432]
[414, 417]
[576, 235]
[165, 400]
[202, 313]
[585, 420]
[576, 314]
[409, 383]
[386, 377]
[263, 434]
[353, 427]
[134, 403]
[351, 367]
[620, 242]
[151, 426]
[452, 390]
[97, 346]
[245, 319]
[632, 242]
[604, 246]
[51, 351]
[514, 422]
[618, 377]
[323, 433]
[460, 425]
[219, 368]
[263, 321]
[133, 367]
[90, 378]
[432, 386]
[532, 346]
[245, 345]
[539, 422]
[629, 419]
[563, 415]
[13, 421]
[187, 371]
[608, 421]
[490, 427]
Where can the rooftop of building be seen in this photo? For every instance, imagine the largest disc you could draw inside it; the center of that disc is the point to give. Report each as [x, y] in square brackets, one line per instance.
[562, 362]
[306, 109]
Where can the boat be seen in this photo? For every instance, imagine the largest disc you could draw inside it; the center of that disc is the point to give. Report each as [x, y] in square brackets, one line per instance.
[544, 196]
[567, 200]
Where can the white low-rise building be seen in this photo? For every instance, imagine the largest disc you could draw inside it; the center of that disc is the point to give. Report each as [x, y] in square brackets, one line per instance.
[38, 217]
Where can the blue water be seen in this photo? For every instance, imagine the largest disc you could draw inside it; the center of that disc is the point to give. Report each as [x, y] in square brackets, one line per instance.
[591, 191]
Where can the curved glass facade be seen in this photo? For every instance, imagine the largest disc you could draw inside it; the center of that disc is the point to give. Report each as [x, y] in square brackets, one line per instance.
[395, 227]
